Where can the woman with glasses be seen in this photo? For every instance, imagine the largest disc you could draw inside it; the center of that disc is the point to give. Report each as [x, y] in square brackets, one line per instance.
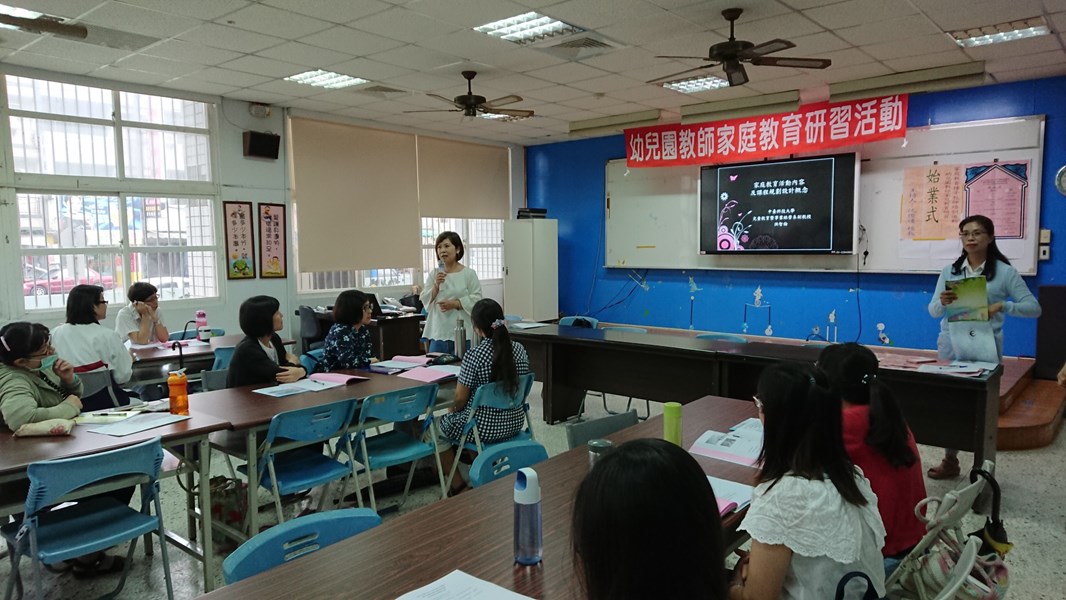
[813, 517]
[348, 344]
[1007, 295]
[90, 346]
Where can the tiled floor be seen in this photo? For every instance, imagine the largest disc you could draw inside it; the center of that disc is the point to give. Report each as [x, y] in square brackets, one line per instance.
[1034, 509]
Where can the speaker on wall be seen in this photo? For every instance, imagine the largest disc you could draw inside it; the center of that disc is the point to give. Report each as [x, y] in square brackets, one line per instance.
[261, 144]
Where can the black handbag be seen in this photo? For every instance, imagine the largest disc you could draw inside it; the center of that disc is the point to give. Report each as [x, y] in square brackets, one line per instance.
[869, 594]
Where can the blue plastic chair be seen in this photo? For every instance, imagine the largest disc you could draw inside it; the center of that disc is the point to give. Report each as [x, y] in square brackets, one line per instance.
[723, 337]
[398, 447]
[493, 395]
[96, 523]
[293, 539]
[593, 322]
[292, 458]
[309, 360]
[505, 458]
[512, 317]
[625, 328]
[191, 334]
[223, 355]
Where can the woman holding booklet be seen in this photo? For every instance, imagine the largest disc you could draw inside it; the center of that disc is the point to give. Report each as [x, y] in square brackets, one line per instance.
[813, 517]
[1007, 295]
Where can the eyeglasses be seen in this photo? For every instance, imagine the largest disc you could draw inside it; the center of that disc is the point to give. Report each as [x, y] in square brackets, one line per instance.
[48, 350]
[758, 403]
[972, 234]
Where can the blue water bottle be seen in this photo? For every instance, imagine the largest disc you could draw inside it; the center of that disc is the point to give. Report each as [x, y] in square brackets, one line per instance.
[528, 537]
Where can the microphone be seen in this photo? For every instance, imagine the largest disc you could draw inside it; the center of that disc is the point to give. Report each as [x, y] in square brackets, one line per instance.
[185, 329]
[440, 265]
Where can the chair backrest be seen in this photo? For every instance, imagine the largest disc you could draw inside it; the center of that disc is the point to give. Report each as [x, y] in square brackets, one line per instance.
[95, 381]
[512, 317]
[223, 355]
[292, 539]
[579, 321]
[503, 459]
[625, 329]
[961, 571]
[723, 337]
[189, 334]
[213, 380]
[400, 405]
[50, 480]
[312, 424]
[310, 328]
[578, 434]
[493, 394]
[309, 360]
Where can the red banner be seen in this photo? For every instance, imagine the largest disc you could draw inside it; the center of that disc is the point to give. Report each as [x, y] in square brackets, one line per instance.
[812, 128]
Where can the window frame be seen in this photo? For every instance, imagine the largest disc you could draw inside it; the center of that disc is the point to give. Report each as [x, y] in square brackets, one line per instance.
[121, 186]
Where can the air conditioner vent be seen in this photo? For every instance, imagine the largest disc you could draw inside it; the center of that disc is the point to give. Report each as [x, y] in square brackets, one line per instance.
[583, 42]
[382, 91]
[578, 46]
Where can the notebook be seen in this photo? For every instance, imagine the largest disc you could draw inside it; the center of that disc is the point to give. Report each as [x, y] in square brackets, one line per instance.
[338, 378]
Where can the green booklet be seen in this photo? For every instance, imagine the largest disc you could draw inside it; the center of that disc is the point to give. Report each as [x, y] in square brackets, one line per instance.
[972, 301]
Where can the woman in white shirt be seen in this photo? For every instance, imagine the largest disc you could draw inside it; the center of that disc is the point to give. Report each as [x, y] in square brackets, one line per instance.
[89, 346]
[813, 517]
[449, 294]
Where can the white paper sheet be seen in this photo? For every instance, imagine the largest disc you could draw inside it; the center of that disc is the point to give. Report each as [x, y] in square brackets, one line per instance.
[461, 586]
[137, 423]
[524, 325]
[739, 447]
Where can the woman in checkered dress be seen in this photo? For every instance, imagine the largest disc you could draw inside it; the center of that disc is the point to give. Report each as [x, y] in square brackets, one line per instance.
[496, 358]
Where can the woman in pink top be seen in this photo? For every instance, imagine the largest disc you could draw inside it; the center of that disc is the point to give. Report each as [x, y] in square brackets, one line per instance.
[878, 441]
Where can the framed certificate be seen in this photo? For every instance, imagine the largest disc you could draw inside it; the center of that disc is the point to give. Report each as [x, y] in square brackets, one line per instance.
[273, 241]
[240, 243]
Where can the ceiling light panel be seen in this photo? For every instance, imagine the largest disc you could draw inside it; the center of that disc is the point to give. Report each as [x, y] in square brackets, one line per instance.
[528, 28]
[1003, 32]
[691, 85]
[326, 79]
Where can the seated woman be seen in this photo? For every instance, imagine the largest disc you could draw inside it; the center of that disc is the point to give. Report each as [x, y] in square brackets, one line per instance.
[348, 341]
[141, 321]
[813, 517]
[261, 357]
[36, 385]
[879, 442]
[90, 346]
[496, 358]
[646, 525]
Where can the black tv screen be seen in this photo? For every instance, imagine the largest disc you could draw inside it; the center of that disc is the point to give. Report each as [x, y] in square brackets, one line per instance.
[794, 206]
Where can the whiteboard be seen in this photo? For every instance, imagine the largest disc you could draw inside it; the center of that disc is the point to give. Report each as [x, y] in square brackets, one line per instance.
[652, 215]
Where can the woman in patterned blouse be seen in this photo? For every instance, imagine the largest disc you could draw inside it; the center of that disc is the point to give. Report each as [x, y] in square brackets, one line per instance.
[348, 341]
[495, 358]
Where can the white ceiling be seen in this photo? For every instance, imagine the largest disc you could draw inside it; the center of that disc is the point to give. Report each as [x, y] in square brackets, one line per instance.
[243, 49]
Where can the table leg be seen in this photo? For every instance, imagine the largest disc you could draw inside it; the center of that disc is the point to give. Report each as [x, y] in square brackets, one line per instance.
[253, 483]
[206, 540]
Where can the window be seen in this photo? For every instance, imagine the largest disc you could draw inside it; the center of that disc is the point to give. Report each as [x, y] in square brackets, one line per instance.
[155, 223]
[482, 241]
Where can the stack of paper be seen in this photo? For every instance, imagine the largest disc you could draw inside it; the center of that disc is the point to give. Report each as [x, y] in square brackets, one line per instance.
[427, 374]
[137, 423]
[337, 378]
[459, 585]
[298, 387]
[392, 365]
[740, 446]
[730, 495]
[420, 359]
[964, 369]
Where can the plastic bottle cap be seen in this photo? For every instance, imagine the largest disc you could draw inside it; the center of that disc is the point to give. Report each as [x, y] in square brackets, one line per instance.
[526, 487]
[672, 409]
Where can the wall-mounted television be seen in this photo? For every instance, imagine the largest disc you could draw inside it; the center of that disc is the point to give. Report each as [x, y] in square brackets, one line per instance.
[793, 206]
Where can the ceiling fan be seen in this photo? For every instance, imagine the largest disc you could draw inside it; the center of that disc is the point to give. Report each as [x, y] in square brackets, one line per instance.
[471, 105]
[45, 24]
[733, 53]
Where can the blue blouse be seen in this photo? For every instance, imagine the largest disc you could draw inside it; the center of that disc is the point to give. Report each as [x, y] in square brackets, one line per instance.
[346, 348]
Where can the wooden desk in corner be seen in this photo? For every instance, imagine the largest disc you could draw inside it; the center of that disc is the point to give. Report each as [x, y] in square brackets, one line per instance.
[473, 531]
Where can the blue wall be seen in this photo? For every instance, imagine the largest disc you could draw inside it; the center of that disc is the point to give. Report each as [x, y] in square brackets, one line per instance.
[568, 179]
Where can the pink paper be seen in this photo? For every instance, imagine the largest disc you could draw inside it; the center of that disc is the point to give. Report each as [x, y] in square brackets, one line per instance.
[337, 378]
[425, 374]
[725, 506]
[418, 360]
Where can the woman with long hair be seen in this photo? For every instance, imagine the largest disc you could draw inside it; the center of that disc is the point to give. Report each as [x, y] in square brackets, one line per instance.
[646, 525]
[813, 517]
[1007, 295]
[496, 359]
[879, 442]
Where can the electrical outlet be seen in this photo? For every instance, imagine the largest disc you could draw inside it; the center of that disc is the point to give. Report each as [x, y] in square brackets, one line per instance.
[1045, 236]
[1045, 252]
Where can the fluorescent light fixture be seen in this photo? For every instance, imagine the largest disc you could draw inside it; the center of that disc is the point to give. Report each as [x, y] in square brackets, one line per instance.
[499, 117]
[326, 79]
[1003, 32]
[691, 85]
[527, 28]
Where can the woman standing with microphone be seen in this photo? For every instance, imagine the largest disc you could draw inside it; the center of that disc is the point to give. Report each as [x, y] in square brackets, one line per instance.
[449, 294]
[1007, 295]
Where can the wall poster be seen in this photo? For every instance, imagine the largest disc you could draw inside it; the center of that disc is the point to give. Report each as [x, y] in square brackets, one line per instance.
[272, 240]
[240, 243]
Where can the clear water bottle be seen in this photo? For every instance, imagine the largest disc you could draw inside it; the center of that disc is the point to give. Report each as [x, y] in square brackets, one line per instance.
[460, 338]
[528, 536]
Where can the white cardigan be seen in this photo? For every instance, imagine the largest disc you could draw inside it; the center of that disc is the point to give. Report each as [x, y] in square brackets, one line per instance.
[85, 344]
[463, 286]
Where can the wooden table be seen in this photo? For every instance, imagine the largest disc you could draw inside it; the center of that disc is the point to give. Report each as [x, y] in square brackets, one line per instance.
[474, 531]
[248, 413]
[16, 454]
[942, 410]
[153, 364]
